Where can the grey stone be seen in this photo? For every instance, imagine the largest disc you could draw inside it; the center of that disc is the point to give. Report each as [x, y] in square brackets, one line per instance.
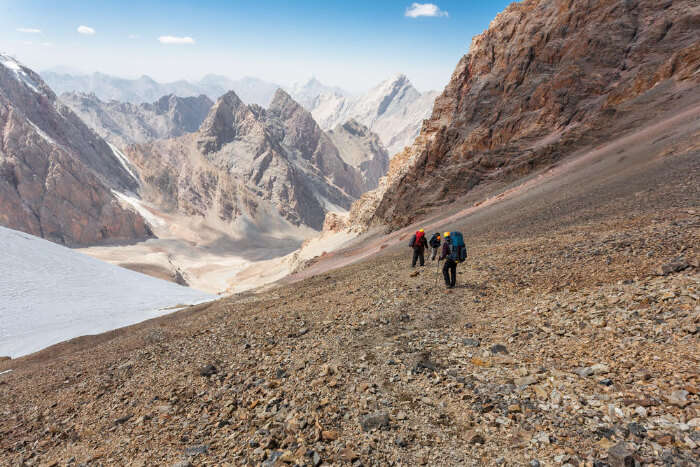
[196, 450]
[621, 455]
[208, 370]
[471, 342]
[374, 420]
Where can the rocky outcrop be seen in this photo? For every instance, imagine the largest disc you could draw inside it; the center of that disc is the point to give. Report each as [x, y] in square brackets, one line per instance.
[394, 109]
[247, 165]
[362, 149]
[541, 82]
[57, 177]
[125, 123]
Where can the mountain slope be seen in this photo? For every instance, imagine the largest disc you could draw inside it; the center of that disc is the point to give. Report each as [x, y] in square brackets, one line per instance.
[362, 149]
[125, 123]
[256, 169]
[54, 294]
[56, 175]
[394, 109]
[539, 84]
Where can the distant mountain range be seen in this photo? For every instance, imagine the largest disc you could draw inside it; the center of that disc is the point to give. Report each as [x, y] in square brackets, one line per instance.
[394, 109]
[146, 89]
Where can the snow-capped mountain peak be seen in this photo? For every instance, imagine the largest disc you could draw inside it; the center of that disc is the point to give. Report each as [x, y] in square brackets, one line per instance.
[393, 109]
[21, 73]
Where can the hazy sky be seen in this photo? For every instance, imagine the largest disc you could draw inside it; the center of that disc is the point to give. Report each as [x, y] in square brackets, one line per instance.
[349, 43]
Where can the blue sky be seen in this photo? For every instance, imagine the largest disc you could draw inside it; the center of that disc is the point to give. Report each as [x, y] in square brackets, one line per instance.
[352, 44]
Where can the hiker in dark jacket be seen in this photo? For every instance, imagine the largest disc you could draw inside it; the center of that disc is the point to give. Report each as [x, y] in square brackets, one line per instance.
[419, 244]
[434, 245]
[449, 270]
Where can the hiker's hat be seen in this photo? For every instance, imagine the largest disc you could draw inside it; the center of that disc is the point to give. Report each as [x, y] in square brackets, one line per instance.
[447, 234]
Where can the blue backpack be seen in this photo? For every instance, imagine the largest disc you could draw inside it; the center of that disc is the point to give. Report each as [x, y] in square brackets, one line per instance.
[458, 250]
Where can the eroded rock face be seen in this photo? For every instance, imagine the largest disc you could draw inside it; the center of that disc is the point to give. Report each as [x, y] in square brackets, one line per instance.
[124, 123]
[56, 175]
[269, 166]
[362, 149]
[542, 81]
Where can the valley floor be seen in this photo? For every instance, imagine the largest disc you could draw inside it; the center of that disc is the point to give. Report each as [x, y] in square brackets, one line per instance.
[561, 344]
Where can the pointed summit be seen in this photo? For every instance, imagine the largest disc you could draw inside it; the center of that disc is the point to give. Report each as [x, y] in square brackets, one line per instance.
[283, 105]
[219, 127]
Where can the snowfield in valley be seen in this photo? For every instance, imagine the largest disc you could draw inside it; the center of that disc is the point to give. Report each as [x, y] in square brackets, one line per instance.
[49, 294]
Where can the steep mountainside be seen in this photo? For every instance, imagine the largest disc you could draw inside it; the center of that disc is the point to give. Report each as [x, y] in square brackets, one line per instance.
[394, 109]
[363, 150]
[56, 175]
[543, 81]
[258, 169]
[145, 89]
[125, 123]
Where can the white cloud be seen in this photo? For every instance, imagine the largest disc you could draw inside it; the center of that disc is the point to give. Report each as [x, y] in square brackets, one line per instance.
[87, 30]
[424, 9]
[175, 40]
[29, 30]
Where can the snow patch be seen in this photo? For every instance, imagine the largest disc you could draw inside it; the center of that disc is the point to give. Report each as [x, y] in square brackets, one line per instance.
[123, 160]
[43, 135]
[50, 294]
[5, 372]
[21, 75]
[140, 208]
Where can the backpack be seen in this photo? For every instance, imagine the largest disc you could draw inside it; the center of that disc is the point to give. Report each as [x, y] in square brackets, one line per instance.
[458, 250]
[420, 239]
[435, 240]
[412, 241]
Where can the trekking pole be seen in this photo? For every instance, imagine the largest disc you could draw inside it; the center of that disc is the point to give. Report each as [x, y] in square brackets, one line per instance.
[437, 273]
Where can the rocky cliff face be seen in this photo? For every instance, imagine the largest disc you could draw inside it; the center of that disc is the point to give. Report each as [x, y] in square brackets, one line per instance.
[394, 109]
[248, 164]
[545, 79]
[362, 149]
[125, 123]
[56, 175]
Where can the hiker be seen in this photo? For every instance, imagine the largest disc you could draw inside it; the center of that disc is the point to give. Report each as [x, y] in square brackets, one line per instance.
[434, 245]
[453, 251]
[419, 244]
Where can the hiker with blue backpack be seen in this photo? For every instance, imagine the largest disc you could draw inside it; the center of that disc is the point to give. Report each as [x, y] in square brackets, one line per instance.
[453, 251]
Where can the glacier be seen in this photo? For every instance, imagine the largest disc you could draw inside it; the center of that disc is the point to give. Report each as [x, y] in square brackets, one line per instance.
[50, 293]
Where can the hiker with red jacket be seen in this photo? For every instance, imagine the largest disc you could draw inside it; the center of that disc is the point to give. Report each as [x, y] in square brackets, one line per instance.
[419, 244]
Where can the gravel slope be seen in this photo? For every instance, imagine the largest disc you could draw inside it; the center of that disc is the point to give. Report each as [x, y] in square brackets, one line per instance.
[561, 345]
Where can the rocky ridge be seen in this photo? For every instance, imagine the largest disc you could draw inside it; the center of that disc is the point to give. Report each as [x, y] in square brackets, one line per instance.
[252, 165]
[124, 123]
[539, 84]
[56, 175]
